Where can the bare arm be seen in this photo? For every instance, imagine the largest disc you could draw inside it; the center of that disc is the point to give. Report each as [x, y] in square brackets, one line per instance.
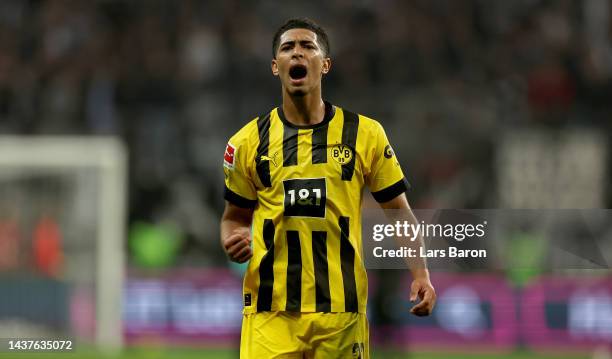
[421, 285]
[236, 232]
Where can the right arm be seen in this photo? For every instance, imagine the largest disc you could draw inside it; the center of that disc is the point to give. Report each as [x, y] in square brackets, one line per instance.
[236, 232]
[240, 197]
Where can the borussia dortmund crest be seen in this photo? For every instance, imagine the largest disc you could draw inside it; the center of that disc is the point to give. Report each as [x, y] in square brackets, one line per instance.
[342, 154]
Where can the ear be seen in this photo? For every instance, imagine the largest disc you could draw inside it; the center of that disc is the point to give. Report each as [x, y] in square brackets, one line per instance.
[274, 66]
[326, 65]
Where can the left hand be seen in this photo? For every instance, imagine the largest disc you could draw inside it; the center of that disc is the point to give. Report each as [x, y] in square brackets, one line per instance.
[422, 288]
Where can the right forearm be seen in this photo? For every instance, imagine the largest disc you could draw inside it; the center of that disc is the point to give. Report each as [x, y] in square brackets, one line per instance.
[235, 219]
[236, 233]
[230, 225]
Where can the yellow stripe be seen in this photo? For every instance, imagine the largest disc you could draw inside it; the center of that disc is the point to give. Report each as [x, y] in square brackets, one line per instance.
[305, 148]
[308, 283]
[279, 292]
[336, 287]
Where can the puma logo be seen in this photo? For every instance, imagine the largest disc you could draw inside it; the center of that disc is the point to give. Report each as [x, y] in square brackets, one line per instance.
[270, 159]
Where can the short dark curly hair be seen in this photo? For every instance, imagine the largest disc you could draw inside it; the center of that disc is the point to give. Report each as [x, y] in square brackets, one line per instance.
[302, 23]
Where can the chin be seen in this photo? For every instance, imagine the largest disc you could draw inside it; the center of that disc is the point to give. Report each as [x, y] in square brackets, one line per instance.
[297, 92]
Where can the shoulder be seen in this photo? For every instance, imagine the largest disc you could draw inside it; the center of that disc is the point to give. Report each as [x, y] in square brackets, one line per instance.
[246, 135]
[242, 145]
[366, 124]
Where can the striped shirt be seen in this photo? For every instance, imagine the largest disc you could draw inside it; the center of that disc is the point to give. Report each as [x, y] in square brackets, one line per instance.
[305, 184]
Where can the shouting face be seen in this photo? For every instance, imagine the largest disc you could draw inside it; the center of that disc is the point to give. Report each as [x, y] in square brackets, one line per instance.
[300, 62]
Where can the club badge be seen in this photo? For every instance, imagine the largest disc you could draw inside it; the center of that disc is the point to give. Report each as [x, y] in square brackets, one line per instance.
[342, 154]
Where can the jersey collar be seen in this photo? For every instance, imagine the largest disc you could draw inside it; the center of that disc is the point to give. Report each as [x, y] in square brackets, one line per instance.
[330, 111]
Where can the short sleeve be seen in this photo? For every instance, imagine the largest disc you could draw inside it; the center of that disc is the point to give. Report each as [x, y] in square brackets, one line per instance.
[385, 179]
[239, 187]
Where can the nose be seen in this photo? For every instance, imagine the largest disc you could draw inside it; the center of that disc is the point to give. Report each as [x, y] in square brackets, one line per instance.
[297, 52]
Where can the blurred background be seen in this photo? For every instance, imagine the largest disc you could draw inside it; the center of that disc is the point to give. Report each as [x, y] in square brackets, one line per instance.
[488, 104]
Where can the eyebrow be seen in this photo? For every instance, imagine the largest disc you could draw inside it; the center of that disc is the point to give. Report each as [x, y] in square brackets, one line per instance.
[292, 42]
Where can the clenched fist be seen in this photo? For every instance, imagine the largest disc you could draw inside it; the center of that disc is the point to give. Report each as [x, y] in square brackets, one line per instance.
[237, 245]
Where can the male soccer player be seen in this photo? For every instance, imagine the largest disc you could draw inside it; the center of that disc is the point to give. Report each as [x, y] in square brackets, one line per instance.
[293, 185]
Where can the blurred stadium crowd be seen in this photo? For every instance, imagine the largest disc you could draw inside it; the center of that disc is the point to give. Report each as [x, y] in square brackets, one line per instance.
[176, 79]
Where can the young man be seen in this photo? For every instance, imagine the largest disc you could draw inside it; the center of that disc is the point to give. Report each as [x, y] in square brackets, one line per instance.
[294, 177]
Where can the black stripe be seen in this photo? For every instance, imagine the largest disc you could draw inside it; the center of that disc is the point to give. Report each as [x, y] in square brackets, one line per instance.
[347, 264]
[290, 146]
[238, 200]
[266, 269]
[294, 272]
[263, 167]
[387, 194]
[349, 138]
[319, 144]
[319, 253]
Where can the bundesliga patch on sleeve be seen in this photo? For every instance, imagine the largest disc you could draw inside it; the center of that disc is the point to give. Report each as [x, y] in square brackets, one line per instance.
[229, 156]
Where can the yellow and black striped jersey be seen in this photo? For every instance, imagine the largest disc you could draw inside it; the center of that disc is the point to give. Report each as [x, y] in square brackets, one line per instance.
[305, 184]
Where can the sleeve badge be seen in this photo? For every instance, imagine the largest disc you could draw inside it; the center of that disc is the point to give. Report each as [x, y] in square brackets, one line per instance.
[229, 156]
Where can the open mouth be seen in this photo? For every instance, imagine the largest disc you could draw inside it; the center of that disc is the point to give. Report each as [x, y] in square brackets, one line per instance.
[298, 72]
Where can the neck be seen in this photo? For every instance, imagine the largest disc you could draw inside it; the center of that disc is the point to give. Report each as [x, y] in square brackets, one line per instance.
[304, 110]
